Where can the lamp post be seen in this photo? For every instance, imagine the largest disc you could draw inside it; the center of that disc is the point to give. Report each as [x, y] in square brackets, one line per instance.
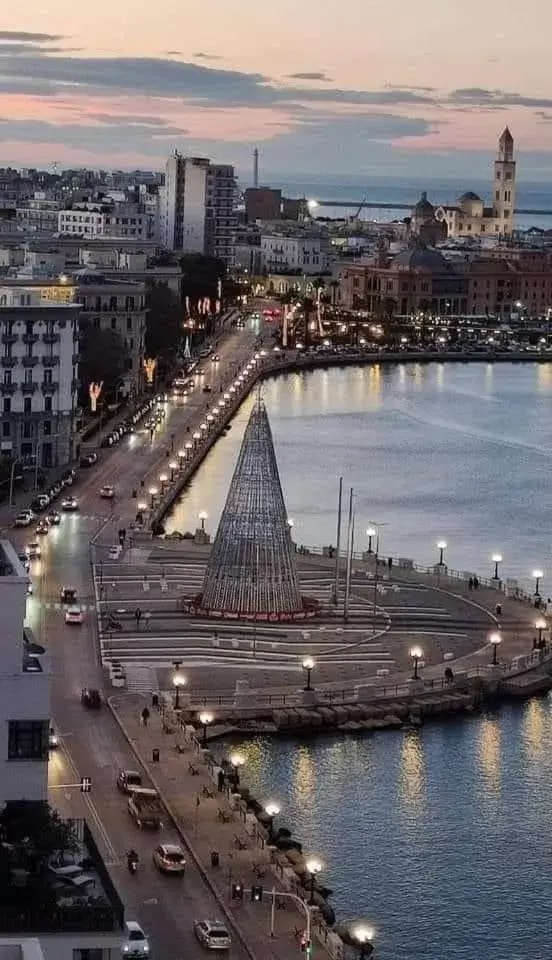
[173, 467]
[205, 719]
[538, 575]
[362, 936]
[540, 625]
[496, 558]
[416, 655]
[202, 517]
[495, 639]
[308, 667]
[179, 680]
[272, 810]
[441, 546]
[237, 761]
[370, 533]
[313, 869]
[163, 479]
[141, 508]
[153, 491]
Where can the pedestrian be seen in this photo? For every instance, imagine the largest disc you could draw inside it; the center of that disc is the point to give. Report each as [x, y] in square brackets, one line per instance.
[498, 609]
[220, 781]
[145, 715]
[147, 618]
[470, 583]
[475, 583]
[137, 617]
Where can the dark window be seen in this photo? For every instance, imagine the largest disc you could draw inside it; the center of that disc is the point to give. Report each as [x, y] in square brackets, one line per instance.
[7, 377]
[7, 405]
[28, 739]
[47, 404]
[27, 429]
[48, 376]
[6, 428]
[27, 405]
[113, 323]
[90, 953]
[129, 323]
[47, 427]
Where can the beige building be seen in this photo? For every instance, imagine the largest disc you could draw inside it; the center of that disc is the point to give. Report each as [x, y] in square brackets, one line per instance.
[470, 217]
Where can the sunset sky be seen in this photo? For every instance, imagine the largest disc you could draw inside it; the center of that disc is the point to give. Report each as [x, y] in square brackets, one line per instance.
[368, 87]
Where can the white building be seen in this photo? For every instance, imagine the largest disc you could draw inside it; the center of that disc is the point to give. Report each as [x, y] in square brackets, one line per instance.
[303, 254]
[38, 375]
[110, 218]
[38, 215]
[24, 692]
[198, 207]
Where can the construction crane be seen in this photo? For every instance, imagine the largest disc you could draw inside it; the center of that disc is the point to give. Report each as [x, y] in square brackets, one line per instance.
[356, 216]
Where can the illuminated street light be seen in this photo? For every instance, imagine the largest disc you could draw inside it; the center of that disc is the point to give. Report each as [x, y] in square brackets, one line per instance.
[416, 655]
[495, 639]
[237, 761]
[371, 532]
[179, 680]
[308, 667]
[363, 935]
[173, 467]
[205, 719]
[202, 516]
[313, 867]
[538, 575]
[541, 625]
[153, 491]
[496, 558]
[441, 546]
[272, 810]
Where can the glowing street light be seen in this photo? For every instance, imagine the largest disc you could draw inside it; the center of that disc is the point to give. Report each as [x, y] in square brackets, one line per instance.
[363, 936]
[153, 491]
[272, 810]
[308, 667]
[313, 867]
[441, 546]
[205, 719]
[163, 479]
[237, 761]
[179, 680]
[370, 533]
[538, 575]
[496, 558]
[416, 655]
[173, 467]
[541, 625]
[202, 516]
[495, 639]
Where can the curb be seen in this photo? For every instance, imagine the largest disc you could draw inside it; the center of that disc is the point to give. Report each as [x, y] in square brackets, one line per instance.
[197, 862]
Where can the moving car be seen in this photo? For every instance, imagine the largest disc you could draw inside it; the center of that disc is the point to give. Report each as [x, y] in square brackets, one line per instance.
[33, 550]
[68, 595]
[212, 934]
[74, 614]
[144, 806]
[91, 698]
[54, 519]
[53, 739]
[69, 505]
[24, 519]
[128, 780]
[42, 528]
[169, 858]
[207, 388]
[30, 588]
[25, 561]
[88, 459]
[215, 358]
[135, 943]
[40, 502]
[107, 492]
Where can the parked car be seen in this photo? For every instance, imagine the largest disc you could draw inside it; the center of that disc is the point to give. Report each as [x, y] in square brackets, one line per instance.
[24, 518]
[53, 739]
[207, 388]
[169, 858]
[88, 460]
[25, 561]
[212, 934]
[128, 780]
[115, 552]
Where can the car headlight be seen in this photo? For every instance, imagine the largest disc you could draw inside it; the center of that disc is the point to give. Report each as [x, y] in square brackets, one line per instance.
[126, 948]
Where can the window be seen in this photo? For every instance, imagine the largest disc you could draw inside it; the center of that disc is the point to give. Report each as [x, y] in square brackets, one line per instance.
[47, 404]
[27, 429]
[90, 953]
[28, 376]
[113, 323]
[7, 405]
[47, 376]
[28, 739]
[47, 428]
[129, 323]
[6, 428]
[7, 377]
[27, 405]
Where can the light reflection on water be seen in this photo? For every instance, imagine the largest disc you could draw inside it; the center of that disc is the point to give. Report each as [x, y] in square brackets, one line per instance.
[440, 837]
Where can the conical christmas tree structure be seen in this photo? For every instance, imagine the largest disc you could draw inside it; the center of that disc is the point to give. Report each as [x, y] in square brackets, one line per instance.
[251, 573]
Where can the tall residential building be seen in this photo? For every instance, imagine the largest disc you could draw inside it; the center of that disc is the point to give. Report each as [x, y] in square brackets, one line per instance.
[198, 207]
[24, 691]
[38, 375]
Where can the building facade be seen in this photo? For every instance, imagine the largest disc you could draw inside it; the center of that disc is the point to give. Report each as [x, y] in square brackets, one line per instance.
[24, 692]
[39, 376]
[198, 207]
[109, 219]
[285, 253]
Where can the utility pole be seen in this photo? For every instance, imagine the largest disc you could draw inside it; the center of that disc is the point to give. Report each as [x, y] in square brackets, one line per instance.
[338, 548]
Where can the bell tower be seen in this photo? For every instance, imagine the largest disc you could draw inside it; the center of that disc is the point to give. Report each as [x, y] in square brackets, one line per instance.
[504, 183]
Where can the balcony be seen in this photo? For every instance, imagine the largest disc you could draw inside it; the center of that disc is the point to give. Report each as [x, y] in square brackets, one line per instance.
[50, 361]
[29, 387]
[8, 389]
[29, 361]
[50, 338]
[30, 338]
[50, 387]
[9, 338]
[9, 362]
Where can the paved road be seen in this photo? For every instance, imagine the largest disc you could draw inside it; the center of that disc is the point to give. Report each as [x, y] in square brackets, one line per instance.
[92, 744]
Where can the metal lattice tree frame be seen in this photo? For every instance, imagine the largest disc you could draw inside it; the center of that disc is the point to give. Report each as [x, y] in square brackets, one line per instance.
[251, 573]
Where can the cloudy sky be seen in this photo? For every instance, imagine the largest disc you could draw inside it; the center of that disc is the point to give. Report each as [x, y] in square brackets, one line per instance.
[367, 87]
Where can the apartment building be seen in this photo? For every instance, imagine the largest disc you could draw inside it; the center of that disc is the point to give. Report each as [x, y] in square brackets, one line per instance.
[198, 207]
[109, 219]
[38, 376]
[295, 253]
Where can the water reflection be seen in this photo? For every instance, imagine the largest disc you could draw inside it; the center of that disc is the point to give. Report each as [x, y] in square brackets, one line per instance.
[544, 377]
[533, 729]
[489, 754]
[303, 777]
[412, 776]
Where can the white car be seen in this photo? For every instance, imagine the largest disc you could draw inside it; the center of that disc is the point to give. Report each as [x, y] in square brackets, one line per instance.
[114, 552]
[135, 943]
[107, 492]
[24, 519]
[74, 615]
[212, 934]
[33, 550]
[70, 505]
[169, 858]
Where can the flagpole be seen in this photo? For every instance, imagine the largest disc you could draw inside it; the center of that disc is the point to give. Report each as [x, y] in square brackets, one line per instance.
[339, 510]
[350, 534]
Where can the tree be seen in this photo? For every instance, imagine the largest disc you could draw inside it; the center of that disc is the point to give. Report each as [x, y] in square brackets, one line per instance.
[200, 275]
[30, 834]
[104, 359]
[164, 322]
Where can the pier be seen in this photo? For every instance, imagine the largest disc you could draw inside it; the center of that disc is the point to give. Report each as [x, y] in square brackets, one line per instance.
[388, 205]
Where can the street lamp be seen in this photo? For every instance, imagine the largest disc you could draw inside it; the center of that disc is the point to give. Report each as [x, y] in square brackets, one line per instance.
[202, 516]
[495, 639]
[163, 479]
[363, 936]
[272, 810]
[496, 558]
[441, 546]
[416, 655]
[313, 869]
[370, 533]
[205, 719]
[179, 680]
[153, 491]
[181, 454]
[538, 575]
[173, 467]
[541, 625]
[308, 667]
[237, 761]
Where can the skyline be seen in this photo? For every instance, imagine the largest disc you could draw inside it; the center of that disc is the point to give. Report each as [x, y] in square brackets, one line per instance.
[422, 91]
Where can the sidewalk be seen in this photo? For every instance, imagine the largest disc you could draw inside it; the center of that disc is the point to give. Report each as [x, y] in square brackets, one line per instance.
[209, 821]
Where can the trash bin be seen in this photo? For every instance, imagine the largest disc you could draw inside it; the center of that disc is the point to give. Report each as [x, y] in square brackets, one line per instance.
[215, 859]
[155, 755]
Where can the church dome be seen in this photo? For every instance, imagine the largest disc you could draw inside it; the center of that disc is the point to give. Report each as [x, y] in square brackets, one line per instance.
[470, 195]
[420, 256]
[89, 275]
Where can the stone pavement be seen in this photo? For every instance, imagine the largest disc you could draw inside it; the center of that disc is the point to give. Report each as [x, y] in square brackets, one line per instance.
[209, 821]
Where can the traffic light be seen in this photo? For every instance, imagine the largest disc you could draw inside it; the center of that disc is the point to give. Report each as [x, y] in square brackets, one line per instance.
[237, 891]
[85, 784]
[256, 894]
